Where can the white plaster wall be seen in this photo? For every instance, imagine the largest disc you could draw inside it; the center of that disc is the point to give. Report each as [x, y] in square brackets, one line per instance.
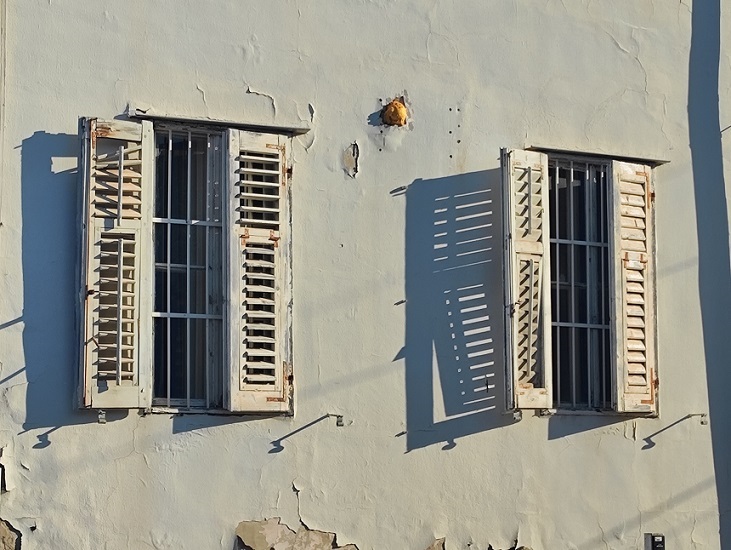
[573, 74]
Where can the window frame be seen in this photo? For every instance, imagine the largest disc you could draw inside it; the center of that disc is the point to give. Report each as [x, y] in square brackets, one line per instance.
[141, 130]
[593, 163]
[186, 403]
[634, 393]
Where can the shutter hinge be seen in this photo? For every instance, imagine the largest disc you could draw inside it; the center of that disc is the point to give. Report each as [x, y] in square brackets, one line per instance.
[274, 238]
[511, 309]
[289, 172]
[244, 236]
[652, 196]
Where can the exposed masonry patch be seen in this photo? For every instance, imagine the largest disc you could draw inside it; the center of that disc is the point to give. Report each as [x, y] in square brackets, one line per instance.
[272, 534]
[9, 536]
[350, 159]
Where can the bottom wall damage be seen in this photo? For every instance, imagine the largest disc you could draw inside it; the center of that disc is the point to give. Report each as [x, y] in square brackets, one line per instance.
[9, 536]
[272, 534]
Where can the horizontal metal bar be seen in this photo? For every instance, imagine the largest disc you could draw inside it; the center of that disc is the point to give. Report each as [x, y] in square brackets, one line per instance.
[173, 315]
[174, 221]
[566, 324]
[583, 243]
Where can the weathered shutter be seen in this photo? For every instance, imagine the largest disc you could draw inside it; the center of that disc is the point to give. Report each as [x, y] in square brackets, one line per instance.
[116, 171]
[259, 274]
[634, 318]
[527, 279]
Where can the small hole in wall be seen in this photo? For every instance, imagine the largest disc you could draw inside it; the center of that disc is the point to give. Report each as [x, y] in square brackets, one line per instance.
[450, 156]
[450, 131]
[458, 110]
[380, 149]
[459, 141]
[450, 109]
[381, 131]
[459, 125]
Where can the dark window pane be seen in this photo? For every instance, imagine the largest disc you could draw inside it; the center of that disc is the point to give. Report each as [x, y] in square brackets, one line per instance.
[594, 293]
[581, 368]
[215, 175]
[596, 368]
[578, 190]
[178, 293]
[198, 177]
[563, 205]
[215, 276]
[595, 233]
[215, 362]
[160, 358]
[198, 290]
[197, 358]
[579, 261]
[564, 346]
[161, 290]
[197, 245]
[161, 243]
[178, 243]
[178, 339]
[179, 177]
[161, 174]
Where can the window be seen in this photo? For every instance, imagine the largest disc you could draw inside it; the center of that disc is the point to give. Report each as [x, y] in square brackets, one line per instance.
[579, 292]
[579, 237]
[186, 280]
[188, 306]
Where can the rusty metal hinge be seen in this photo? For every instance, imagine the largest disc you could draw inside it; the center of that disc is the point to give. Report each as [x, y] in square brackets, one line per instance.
[274, 238]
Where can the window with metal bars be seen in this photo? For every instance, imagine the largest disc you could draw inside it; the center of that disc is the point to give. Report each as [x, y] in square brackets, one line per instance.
[580, 283]
[189, 249]
[186, 286]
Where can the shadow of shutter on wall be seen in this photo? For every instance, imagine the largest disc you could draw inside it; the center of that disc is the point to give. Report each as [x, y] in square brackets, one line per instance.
[259, 274]
[633, 288]
[527, 280]
[117, 179]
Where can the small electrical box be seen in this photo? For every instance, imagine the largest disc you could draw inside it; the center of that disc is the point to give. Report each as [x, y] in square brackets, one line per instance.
[657, 541]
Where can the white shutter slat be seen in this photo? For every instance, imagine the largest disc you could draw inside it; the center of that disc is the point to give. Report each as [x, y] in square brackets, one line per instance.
[527, 261]
[632, 249]
[117, 334]
[259, 274]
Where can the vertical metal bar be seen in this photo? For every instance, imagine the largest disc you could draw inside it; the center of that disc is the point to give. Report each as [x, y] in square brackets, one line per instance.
[557, 309]
[589, 370]
[207, 217]
[572, 284]
[120, 184]
[603, 239]
[120, 276]
[187, 277]
[169, 237]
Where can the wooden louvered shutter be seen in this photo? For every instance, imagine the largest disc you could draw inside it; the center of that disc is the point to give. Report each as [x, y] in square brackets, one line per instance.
[259, 274]
[116, 171]
[634, 317]
[527, 279]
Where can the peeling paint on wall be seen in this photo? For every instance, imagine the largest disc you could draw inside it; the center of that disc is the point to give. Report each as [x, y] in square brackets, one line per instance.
[351, 156]
[9, 536]
[272, 534]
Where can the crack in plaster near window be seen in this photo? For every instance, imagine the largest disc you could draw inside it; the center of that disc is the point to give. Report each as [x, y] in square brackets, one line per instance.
[271, 98]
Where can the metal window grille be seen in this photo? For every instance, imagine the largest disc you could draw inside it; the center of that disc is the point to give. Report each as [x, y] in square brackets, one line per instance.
[189, 251]
[580, 269]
